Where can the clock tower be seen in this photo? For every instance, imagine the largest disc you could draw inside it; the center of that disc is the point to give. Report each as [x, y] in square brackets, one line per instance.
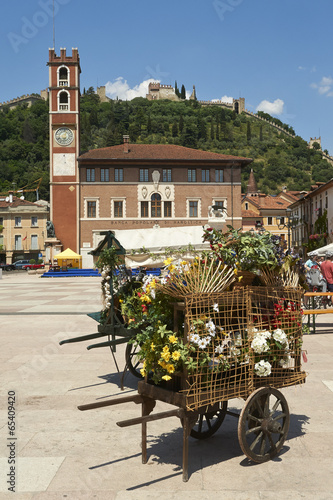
[64, 111]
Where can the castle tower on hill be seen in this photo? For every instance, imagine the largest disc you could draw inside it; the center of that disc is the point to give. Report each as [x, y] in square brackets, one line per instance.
[64, 112]
[158, 91]
[313, 141]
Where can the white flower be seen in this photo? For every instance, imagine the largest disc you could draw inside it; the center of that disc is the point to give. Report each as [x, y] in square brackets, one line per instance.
[194, 337]
[259, 345]
[263, 368]
[163, 281]
[237, 339]
[234, 351]
[203, 342]
[211, 328]
[285, 361]
[219, 349]
[216, 307]
[280, 336]
[264, 333]
[153, 293]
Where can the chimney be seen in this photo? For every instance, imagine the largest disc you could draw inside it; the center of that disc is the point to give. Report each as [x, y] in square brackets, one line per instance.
[10, 194]
[126, 143]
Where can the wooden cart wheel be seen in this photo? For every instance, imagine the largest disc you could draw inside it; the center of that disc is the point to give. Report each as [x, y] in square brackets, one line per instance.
[133, 363]
[209, 420]
[263, 424]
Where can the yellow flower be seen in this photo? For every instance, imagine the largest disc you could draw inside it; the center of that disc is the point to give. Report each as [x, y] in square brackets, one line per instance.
[235, 271]
[163, 364]
[143, 372]
[170, 368]
[183, 263]
[121, 301]
[152, 346]
[168, 261]
[172, 339]
[171, 268]
[166, 377]
[131, 320]
[166, 348]
[240, 278]
[176, 355]
[153, 283]
[166, 356]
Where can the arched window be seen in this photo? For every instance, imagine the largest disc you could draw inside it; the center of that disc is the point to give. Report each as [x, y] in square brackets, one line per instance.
[63, 76]
[63, 100]
[156, 205]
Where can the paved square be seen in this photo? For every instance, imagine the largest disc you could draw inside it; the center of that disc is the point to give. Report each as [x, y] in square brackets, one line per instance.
[64, 453]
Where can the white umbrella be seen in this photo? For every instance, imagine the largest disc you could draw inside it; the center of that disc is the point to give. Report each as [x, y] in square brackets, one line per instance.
[321, 251]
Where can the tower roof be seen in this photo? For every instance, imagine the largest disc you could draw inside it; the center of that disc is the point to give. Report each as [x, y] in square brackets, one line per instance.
[252, 185]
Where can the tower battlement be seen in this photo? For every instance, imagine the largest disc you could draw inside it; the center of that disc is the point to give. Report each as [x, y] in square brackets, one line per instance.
[64, 58]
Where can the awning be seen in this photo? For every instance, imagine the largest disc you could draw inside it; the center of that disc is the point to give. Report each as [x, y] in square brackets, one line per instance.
[321, 251]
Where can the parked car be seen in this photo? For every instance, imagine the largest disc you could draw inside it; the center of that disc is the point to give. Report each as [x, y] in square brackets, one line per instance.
[20, 263]
[33, 266]
[7, 267]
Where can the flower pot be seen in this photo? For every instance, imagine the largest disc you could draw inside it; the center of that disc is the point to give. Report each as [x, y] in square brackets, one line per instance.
[247, 278]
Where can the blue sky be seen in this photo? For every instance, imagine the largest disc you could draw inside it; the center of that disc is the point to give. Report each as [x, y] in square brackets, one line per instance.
[275, 53]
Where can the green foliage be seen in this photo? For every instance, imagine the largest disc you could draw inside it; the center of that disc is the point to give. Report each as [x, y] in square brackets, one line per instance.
[279, 160]
[24, 148]
[109, 257]
[246, 251]
[32, 261]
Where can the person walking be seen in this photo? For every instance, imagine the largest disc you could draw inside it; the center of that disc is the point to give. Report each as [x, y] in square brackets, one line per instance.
[326, 268]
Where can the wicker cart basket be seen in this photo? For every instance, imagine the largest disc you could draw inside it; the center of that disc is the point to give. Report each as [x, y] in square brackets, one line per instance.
[253, 337]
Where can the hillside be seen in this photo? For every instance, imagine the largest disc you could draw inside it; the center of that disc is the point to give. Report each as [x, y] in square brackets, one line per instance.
[279, 160]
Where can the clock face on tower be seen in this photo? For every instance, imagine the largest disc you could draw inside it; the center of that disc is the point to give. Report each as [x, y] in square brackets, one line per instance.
[64, 136]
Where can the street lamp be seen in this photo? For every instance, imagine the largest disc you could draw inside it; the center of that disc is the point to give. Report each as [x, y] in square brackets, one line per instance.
[290, 222]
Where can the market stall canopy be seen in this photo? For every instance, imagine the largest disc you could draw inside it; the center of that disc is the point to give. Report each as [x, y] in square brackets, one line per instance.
[183, 240]
[321, 251]
[69, 258]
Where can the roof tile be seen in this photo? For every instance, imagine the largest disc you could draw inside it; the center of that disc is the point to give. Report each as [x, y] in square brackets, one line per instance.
[156, 152]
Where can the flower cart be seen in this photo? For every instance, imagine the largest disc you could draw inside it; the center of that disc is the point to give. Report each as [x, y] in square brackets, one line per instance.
[226, 341]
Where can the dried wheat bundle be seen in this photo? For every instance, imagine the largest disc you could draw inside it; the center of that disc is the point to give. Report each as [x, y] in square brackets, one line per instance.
[270, 276]
[289, 278]
[201, 276]
[286, 277]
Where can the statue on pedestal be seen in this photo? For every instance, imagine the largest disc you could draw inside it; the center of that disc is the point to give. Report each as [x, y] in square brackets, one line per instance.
[50, 229]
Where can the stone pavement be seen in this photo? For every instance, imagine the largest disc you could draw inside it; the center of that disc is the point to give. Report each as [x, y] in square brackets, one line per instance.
[62, 453]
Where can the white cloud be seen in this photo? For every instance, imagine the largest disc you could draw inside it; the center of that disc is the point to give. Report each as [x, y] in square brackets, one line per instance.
[120, 88]
[225, 98]
[272, 108]
[324, 87]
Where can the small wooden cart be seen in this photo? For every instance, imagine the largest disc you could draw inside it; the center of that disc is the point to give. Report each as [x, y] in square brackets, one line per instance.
[113, 328]
[201, 396]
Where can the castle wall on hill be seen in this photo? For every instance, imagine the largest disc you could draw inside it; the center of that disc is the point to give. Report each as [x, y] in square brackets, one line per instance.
[28, 99]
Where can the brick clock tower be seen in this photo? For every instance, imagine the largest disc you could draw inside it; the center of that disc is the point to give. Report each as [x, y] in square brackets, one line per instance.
[64, 111]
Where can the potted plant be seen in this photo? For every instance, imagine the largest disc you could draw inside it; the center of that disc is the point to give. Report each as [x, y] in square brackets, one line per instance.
[246, 252]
